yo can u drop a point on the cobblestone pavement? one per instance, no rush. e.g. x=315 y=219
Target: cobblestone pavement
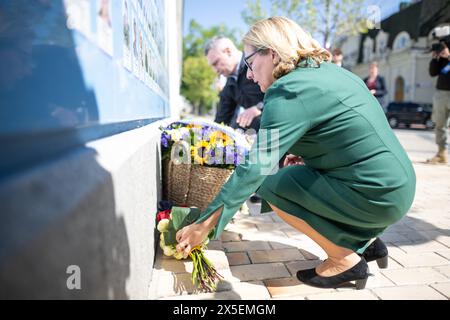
x=258 y=255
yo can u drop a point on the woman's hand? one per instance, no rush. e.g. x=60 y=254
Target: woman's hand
x=191 y=236
x=292 y=160
x=194 y=234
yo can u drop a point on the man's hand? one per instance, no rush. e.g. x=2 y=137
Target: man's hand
x=373 y=91
x=245 y=118
x=292 y=160
x=444 y=53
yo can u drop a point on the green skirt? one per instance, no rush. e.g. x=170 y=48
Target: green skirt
x=334 y=208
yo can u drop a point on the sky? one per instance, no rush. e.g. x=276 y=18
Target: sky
x=213 y=12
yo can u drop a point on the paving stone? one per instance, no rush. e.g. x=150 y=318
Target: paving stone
x=238 y=258
x=442 y=288
x=291 y=286
x=287 y=243
x=344 y=295
x=409 y=293
x=444 y=239
x=392 y=264
x=426 y=259
x=218 y=258
x=280 y=255
x=215 y=245
x=295 y=266
x=241 y=228
x=252 y=290
x=445 y=270
x=180 y=284
x=257 y=220
x=272 y=226
x=398 y=228
x=245 y=246
x=419 y=247
x=172 y=265
x=445 y=254
x=376 y=280
x=414 y=276
x=230 y=236
x=259 y=271
x=394 y=238
x=263 y=235
x=276 y=218
x=308 y=255
x=415 y=236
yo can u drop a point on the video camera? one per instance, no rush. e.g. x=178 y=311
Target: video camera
x=442 y=34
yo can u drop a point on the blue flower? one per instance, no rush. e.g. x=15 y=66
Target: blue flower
x=165 y=140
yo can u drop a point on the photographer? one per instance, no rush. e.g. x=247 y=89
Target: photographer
x=440 y=67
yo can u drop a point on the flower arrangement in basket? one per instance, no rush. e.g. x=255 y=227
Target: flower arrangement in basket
x=170 y=219
x=198 y=157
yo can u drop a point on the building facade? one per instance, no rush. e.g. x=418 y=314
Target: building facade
x=401 y=48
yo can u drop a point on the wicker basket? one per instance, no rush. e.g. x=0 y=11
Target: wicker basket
x=192 y=185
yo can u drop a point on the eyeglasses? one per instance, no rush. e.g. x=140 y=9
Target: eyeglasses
x=249 y=56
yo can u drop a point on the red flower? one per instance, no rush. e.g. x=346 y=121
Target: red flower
x=163 y=215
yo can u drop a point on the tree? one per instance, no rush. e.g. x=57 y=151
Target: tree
x=194 y=42
x=324 y=19
x=198 y=77
x=197 y=81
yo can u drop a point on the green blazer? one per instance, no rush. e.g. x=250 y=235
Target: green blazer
x=357 y=178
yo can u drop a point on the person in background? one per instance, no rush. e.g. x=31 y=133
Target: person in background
x=440 y=67
x=376 y=84
x=338 y=57
x=241 y=100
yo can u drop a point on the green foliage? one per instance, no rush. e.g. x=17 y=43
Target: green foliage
x=198 y=77
x=324 y=19
x=194 y=42
x=197 y=81
x=253 y=12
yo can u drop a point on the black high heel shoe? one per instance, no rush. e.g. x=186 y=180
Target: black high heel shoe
x=377 y=251
x=359 y=272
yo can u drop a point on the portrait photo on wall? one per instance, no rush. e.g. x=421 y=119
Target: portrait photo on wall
x=104 y=26
x=78 y=14
x=126 y=51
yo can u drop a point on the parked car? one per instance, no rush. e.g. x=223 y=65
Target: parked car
x=409 y=113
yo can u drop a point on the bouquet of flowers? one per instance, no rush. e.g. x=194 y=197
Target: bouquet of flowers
x=170 y=219
x=205 y=143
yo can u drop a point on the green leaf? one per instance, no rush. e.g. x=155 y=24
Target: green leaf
x=170 y=238
x=170 y=235
x=178 y=215
x=193 y=215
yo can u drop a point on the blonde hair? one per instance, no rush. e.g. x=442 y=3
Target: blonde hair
x=288 y=40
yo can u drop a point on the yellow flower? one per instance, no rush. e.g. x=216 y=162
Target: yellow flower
x=215 y=136
x=227 y=141
x=190 y=126
x=198 y=152
x=220 y=138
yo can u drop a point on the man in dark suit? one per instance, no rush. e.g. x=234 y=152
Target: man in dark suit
x=241 y=100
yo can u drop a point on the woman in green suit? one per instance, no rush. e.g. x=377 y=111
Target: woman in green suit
x=355 y=178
